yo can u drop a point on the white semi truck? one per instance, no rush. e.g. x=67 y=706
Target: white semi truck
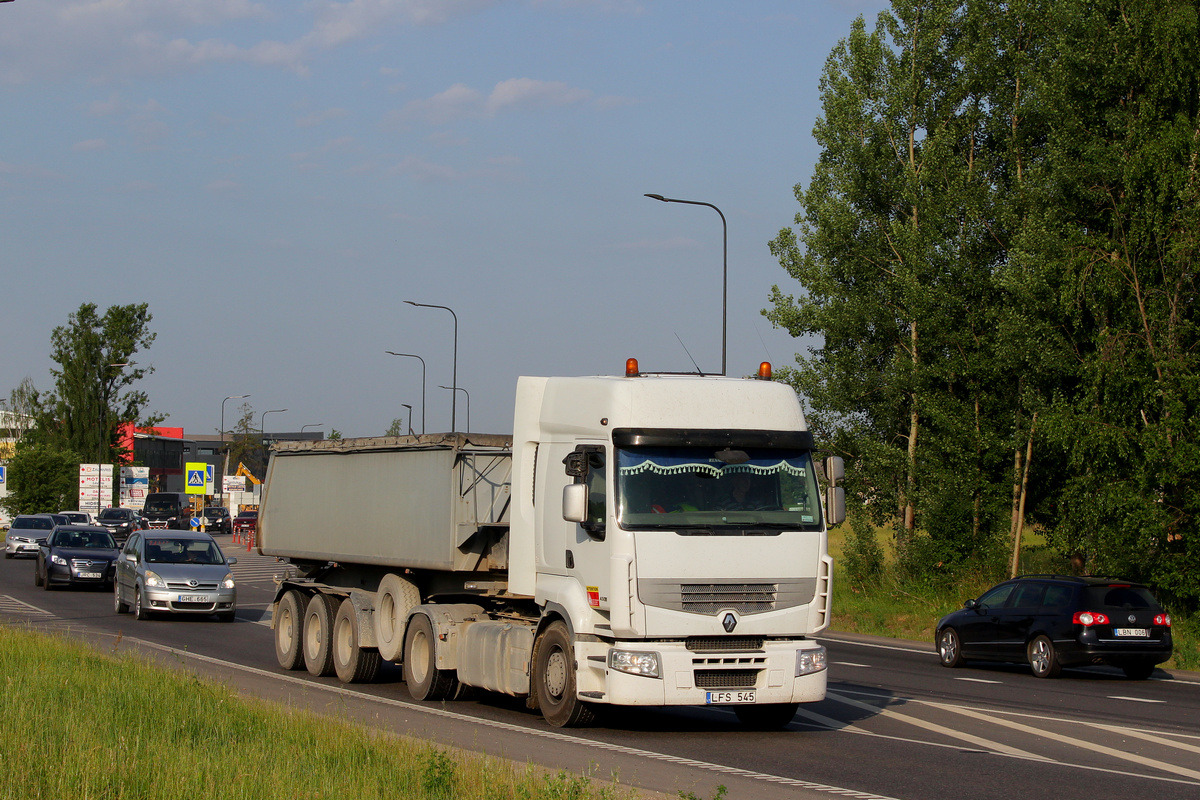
x=648 y=540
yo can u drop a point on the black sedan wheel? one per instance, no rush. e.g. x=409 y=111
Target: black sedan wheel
x=1043 y=658
x=949 y=647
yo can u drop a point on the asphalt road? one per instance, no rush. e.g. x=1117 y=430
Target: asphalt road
x=895 y=723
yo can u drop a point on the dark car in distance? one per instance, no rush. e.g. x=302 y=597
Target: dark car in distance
x=120 y=522
x=76 y=555
x=1056 y=621
x=215 y=519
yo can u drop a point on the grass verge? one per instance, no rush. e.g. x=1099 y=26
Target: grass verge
x=83 y=724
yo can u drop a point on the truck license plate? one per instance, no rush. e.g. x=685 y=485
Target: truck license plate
x=195 y=598
x=95 y=576
x=729 y=698
x=1142 y=632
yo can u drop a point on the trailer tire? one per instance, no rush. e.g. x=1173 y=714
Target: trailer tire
x=425 y=681
x=393 y=600
x=289 y=623
x=554 y=679
x=352 y=663
x=318 y=635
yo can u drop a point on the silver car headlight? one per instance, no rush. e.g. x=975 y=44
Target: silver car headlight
x=635 y=662
x=57 y=559
x=228 y=582
x=810 y=661
x=153 y=581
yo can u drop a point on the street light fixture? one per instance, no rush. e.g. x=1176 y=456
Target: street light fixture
x=410 y=430
x=724 y=264
x=225 y=466
x=262 y=431
x=468 y=394
x=311 y=425
x=454 y=372
x=418 y=358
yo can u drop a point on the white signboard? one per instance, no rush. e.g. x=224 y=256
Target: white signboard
x=95 y=487
x=135 y=485
x=234 y=483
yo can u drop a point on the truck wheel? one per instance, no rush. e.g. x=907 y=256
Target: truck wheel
x=393 y=600
x=554 y=679
x=318 y=635
x=288 y=624
x=352 y=663
x=767 y=717
x=425 y=681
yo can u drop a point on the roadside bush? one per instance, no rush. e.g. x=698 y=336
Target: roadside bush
x=862 y=559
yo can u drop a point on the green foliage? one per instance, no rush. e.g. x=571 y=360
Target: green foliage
x=1003 y=228
x=862 y=562
x=720 y=794
x=41 y=479
x=438 y=778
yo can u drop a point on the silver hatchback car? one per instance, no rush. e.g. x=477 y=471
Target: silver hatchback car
x=178 y=572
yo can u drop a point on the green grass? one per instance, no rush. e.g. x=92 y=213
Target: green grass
x=910 y=610
x=83 y=724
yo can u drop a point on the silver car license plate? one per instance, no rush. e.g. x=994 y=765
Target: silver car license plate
x=95 y=576
x=195 y=598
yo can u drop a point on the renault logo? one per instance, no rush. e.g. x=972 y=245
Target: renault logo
x=729 y=623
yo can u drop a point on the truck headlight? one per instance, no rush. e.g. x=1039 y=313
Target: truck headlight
x=635 y=662
x=810 y=661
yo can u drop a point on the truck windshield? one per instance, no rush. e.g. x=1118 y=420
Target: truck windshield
x=705 y=490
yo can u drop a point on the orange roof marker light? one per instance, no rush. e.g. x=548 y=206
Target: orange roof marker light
x=631 y=368
x=764 y=371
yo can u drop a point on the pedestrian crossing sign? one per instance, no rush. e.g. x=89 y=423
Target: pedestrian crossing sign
x=196 y=472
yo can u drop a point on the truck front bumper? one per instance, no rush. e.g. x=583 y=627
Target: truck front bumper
x=779 y=672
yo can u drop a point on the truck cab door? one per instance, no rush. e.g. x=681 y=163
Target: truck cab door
x=576 y=548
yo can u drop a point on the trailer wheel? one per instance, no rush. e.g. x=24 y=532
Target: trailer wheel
x=393 y=600
x=554 y=679
x=318 y=634
x=289 y=622
x=425 y=681
x=352 y=663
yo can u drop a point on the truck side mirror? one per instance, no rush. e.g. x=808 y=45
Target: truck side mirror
x=575 y=496
x=835 y=505
x=835 y=469
x=576 y=464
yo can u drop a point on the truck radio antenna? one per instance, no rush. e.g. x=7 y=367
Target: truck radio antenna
x=689 y=355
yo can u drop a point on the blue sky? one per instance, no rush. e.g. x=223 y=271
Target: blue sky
x=276 y=178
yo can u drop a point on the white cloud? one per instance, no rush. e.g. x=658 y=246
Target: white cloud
x=528 y=93
x=462 y=102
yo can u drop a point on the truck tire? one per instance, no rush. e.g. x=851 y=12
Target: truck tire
x=393 y=600
x=289 y=622
x=425 y=681
x=554 y=679
x=318 y=634
x=352 y=663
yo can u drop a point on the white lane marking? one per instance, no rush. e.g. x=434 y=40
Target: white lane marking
x=916 y=648
x=851 y=664
x=976 y=680
x=987 y=744
x=545 y=734
x=1145 y=736
x=10 y=603
x=1134 y=699
x=1082 y=744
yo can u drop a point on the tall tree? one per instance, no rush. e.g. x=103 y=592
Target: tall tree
x=96 y=368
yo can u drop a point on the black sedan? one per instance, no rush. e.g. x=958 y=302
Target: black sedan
x=76 y=555
x=120 y=522
x=1056 y=621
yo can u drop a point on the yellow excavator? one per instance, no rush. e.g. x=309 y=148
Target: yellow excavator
x=244 y=472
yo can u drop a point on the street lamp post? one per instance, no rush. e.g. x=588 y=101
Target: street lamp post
x=468 y=394
x=454 y=368
x=225 y=466
x=311 y=425
x=724 y=264
x=103 y=433
x=410 y=430
x=418 y=358
x=262 y=431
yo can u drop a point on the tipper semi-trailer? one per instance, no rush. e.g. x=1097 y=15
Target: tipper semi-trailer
x=652 y=539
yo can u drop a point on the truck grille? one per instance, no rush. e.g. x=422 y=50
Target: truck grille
x=717 y=596
x=745 y=598
x=726 y=678
x=724 y=644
